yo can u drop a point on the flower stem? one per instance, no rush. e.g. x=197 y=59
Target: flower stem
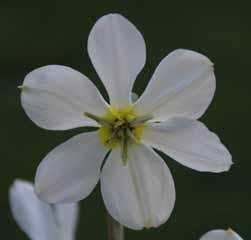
x=115 y=229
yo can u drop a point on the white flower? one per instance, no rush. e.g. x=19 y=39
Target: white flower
x=221 y=235
x=136 y=184
x=39 y=220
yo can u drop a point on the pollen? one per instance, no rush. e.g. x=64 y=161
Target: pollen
x=114 y=113
x=138 y=131
x=120 y=127
x=120 y=119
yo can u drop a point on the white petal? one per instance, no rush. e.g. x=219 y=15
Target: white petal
x=140 y=194
x=70 y=172
x=118 y=53
x=33 y=216
x=190 y=143
x=221 y=235
x=183 y=84
x=66 y=216
x=55 y=97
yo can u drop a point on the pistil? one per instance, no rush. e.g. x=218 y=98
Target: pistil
x=124 y=148
x=120 y=130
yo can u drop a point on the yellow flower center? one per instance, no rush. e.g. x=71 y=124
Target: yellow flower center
x=120 y=119
x=120 y=127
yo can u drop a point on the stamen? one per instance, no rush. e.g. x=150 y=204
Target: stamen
x=131 y=136
x=120 y=127
x=111 y=138
x=99 y=120
x=140 y=119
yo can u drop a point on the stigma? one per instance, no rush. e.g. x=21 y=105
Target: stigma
x=120 y=127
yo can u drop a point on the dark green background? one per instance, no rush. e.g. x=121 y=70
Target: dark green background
x=36 y=33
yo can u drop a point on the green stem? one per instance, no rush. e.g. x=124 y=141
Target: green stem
x=115 y=229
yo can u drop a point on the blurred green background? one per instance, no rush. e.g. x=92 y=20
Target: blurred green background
x=36 y=33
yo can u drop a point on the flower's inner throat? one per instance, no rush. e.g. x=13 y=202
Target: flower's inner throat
x=120 y=127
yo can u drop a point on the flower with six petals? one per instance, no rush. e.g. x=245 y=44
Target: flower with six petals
x=136 y=184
